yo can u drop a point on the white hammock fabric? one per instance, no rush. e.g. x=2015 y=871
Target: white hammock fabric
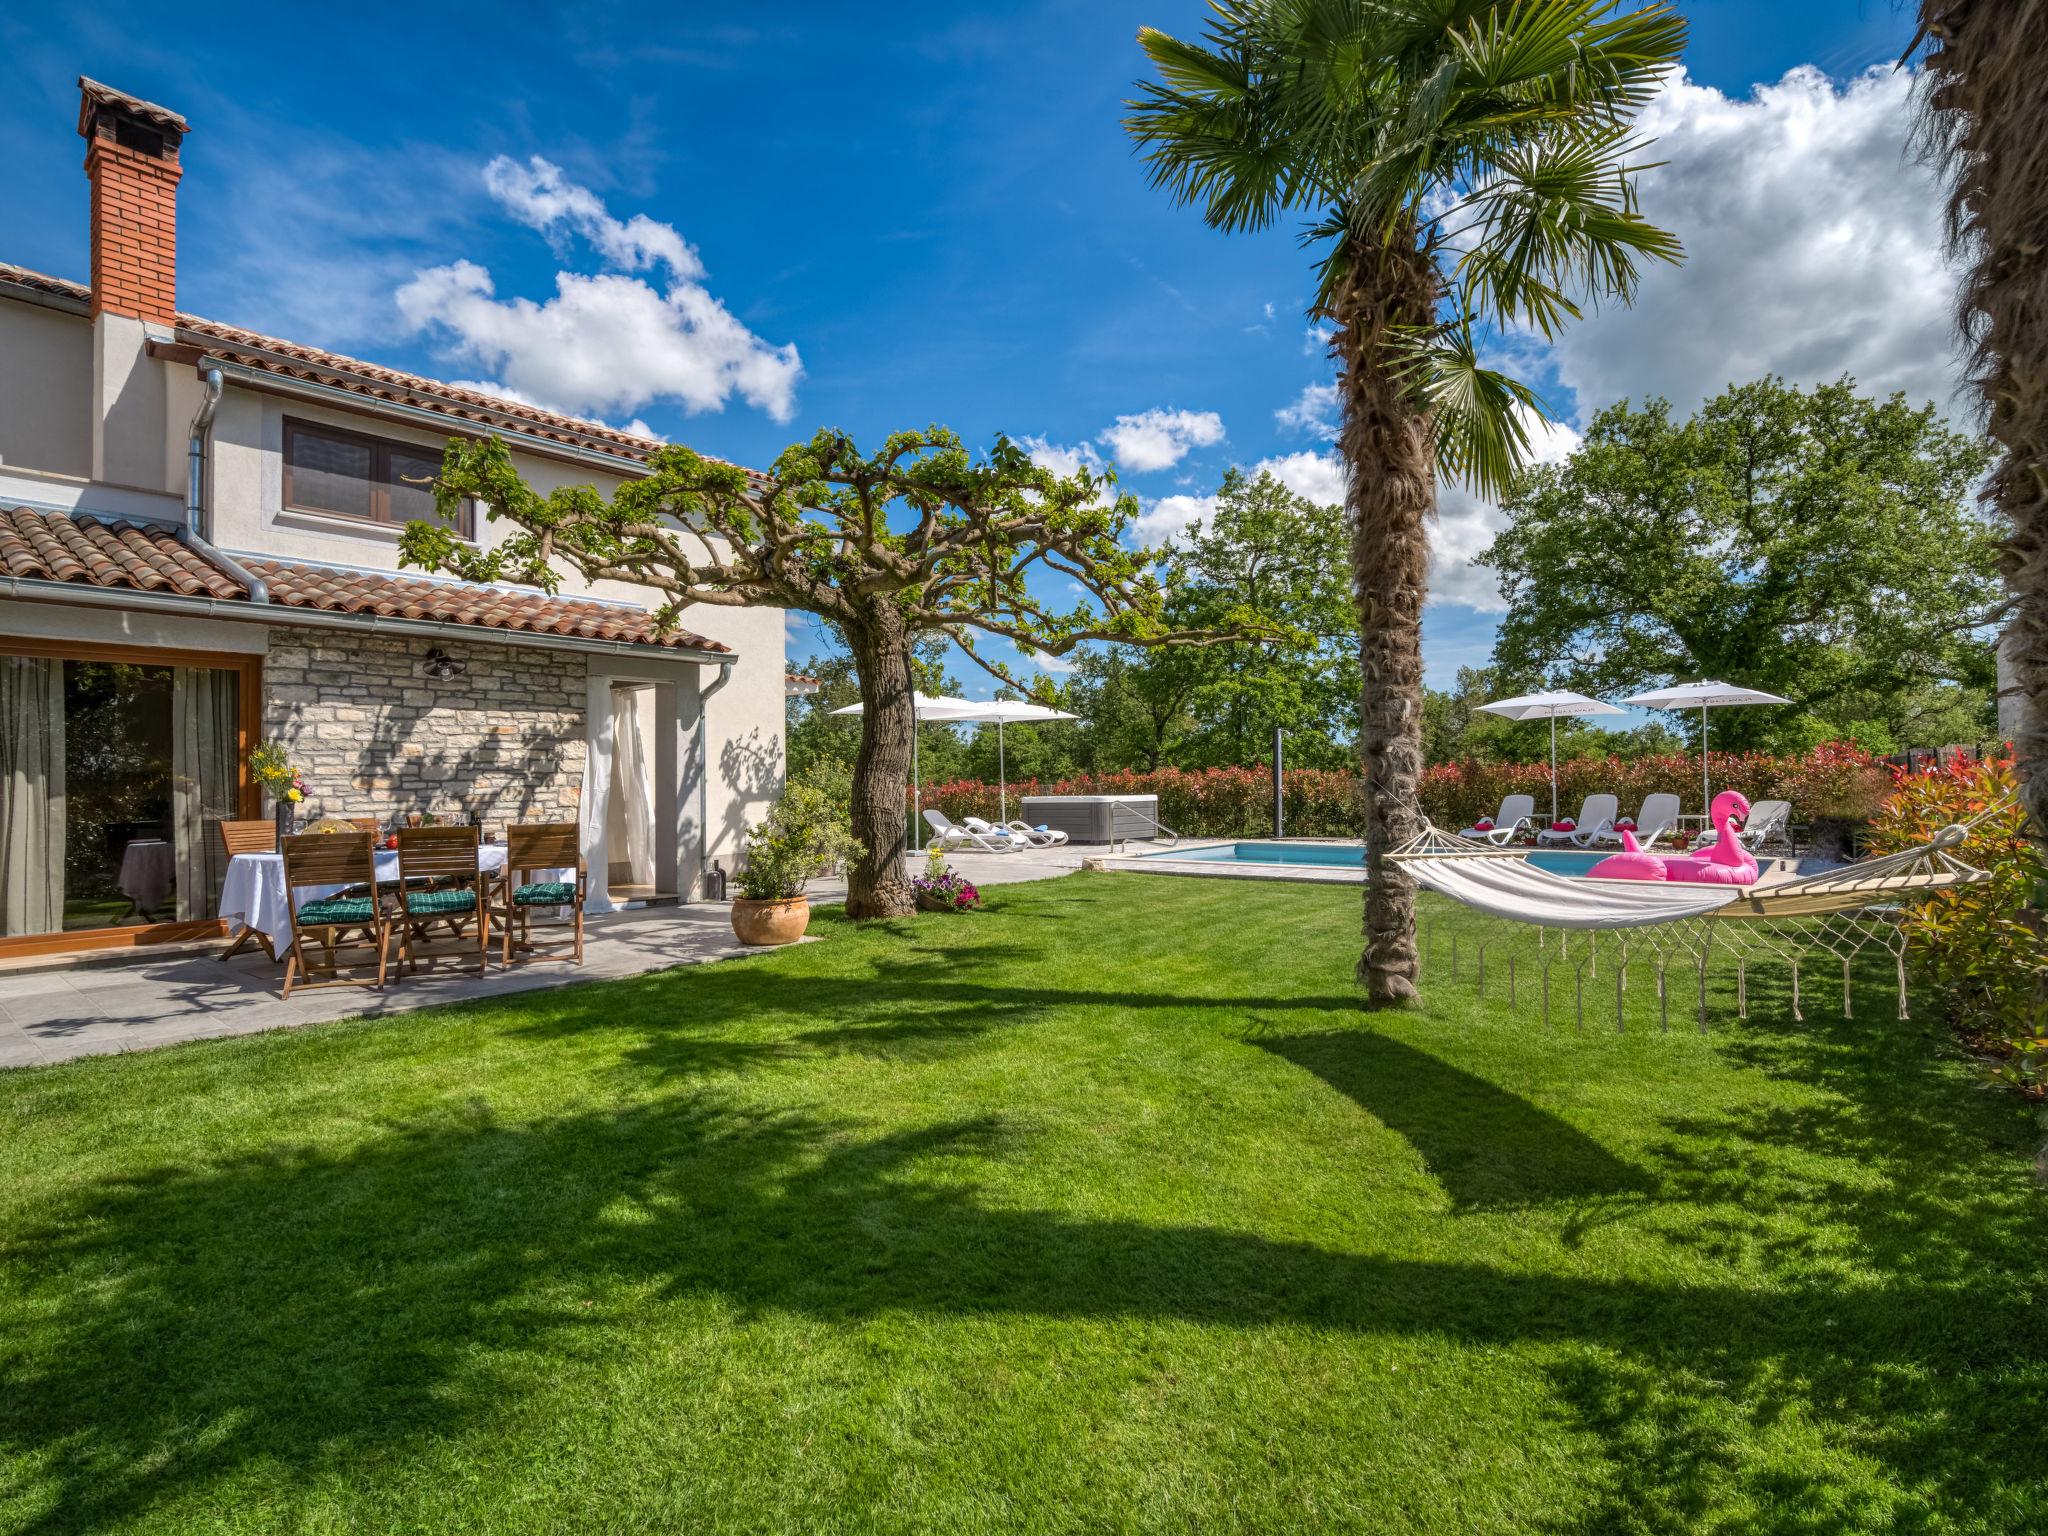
x=1519 y=891
x=1591 y=927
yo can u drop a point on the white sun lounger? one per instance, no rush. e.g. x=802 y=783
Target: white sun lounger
x=1658 y=816
x=1513 y=816
x=1769 y=821
x=952 y=835
x=1037 y=837
x=1596 y=816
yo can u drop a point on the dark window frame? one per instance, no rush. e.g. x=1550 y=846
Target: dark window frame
x=380 y=481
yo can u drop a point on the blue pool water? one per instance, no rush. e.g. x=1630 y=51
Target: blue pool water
x=1341 y=856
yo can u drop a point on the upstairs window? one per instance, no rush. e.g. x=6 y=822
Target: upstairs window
x=339 y=473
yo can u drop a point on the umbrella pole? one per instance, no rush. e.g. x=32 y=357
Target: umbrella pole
x=916 y=793
x=1706 y=800
x=1553 y=768
x=1002 y=780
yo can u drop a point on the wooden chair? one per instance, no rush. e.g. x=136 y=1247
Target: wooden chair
x=440 y=884
x=249 y=837
x=532 y=849
x=329 y=860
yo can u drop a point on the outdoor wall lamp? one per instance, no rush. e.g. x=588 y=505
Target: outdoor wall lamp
x=443 y=666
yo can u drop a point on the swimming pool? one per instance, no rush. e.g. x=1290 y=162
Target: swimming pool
x=1340 y=856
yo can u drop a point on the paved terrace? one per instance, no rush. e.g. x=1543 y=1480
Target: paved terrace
x=51 y=1011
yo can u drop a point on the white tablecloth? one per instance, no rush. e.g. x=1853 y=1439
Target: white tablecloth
x=253 y=896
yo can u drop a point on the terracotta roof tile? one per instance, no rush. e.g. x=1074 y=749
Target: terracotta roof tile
x=447 y=602
x=150 y=557
x=96 y=552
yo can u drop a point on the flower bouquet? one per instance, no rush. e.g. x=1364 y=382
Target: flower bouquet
x=285 y=785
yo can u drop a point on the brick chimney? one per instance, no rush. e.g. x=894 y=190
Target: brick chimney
x=131 y=159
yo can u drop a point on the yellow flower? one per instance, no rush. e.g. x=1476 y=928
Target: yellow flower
x=293 y=795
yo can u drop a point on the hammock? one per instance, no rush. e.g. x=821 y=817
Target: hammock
x=1839 y=912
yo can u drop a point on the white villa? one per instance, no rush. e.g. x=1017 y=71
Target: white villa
x=198 y=552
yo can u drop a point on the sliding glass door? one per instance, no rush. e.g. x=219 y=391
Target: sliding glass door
x=116 y=770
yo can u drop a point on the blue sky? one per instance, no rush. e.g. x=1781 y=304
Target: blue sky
x=936 y=218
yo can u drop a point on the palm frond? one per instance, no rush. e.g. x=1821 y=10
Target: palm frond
x=1477 y=415
x=1558 y=213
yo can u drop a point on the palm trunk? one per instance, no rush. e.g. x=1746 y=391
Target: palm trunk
x=1985 y=117
x=876 y=883
x=1391 y=497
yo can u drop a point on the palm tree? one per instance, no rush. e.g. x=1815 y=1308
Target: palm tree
x=1462 y=165
x=1984 y=120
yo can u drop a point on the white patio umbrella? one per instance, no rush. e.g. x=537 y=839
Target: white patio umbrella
x=930 y=711
x=1557 y=704
x=1703 y=696
x=1006 y=712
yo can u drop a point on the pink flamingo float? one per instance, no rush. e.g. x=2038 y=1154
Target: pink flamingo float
x=1726 y=863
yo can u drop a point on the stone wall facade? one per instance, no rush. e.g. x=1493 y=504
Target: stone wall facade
x=374 y=735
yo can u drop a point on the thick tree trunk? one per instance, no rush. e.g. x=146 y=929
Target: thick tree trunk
x=1986 y=113
x=1391 y=498
x=876 y=882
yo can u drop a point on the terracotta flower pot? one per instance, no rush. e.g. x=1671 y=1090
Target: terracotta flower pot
x=771 y=922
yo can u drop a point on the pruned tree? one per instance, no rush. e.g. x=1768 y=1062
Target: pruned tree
x=920 y=537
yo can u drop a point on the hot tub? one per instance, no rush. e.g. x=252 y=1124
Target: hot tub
x=1095 y=818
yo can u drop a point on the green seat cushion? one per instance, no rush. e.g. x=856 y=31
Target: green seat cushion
x=546 y=893
x=338 y=909
x=439 y=903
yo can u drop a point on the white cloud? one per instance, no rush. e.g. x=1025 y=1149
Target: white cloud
x=605 y=344
x=538 y=196
x=1318 y=476
x=1060 y=458
x=1313 y=410
x=1813 y=247
x=1465 y=524
x=1057 y=665
x=1168 y=519
x=1159 y=439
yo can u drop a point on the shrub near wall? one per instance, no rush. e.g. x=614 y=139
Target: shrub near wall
x=1831 y=783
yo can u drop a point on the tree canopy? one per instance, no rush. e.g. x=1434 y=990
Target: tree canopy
x=1818 y=544
x=919 y=538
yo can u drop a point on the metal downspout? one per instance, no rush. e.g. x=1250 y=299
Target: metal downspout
x=195 y=493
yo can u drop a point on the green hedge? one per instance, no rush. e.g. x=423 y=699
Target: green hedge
x=1832 y=782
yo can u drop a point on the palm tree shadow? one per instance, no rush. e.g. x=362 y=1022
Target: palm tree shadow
x=1487 y=1147
x=309 y=1311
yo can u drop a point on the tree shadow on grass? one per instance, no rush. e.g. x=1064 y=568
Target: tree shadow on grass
x=306 y=1312
x=1487 y=1147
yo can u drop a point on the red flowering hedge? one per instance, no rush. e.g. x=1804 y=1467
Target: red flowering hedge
x=1836 y=781
x=1975 y=943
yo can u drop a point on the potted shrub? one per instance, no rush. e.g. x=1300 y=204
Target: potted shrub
x=803 y=836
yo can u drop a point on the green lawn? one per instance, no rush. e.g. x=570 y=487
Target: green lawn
x=1106 y=1209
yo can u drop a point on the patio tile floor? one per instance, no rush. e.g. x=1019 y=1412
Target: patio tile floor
x=55 y=1015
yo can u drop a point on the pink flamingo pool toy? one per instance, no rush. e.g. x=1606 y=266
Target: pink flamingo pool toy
x=1726 y=863
x=1629 y=864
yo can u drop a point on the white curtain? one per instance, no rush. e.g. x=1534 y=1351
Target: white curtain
x=203 y=782
x=31 y=795
x=633 y=782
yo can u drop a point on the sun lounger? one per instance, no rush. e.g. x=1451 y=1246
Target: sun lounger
x=1769 y=822
x=1037 y=837
x=951 y=835
x=1513 y=817
x=1596 y=816
x=1656 y=819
